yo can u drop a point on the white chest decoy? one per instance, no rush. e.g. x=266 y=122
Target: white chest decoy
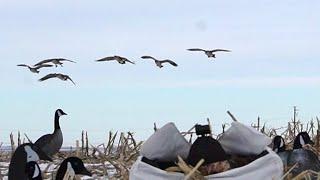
x=70 y=167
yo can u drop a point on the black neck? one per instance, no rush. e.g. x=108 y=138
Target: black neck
x=62 y=171
x=56 y=122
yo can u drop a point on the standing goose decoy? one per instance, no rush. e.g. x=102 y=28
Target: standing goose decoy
x=71 y=167
x=209 y=53
x=33 y=171
x=306 y=159
x=62 y=77
x=55 y=61
x=51 y=143
x=36 y=68
x=160 y=62
x=279 y=147
x=24 y=154
x=119 y=59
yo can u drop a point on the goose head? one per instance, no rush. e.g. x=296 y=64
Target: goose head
x=60 y=113
x=74 y=165
x=278 y=144
x=302 y=139
x=33 y=171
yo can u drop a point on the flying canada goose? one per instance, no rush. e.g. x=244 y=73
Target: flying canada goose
x=71 y=167
x=306 y=159
x=160 y=62
x=51 y=143
x=36 y=68
x=209 y=53
x=55 y=61
x=33 y=171
x=121 y=60
x=22 y=155
x=62 y=77
x=67 y=170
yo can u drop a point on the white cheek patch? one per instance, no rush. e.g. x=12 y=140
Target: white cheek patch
x=302 y=141
x=36 y=172
x=70 y=174
x=281 y=143
x=59 y=113
x=31 y=154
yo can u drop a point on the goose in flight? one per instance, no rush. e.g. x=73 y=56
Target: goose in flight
x=160 y=62
x=62 y=77
x=121 y=60
x=55 y=61
x=209 y=53
x=36 y=68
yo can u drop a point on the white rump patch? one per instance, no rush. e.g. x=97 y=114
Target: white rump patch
x=31 y=154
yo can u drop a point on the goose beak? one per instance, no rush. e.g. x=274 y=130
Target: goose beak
x=86 y=172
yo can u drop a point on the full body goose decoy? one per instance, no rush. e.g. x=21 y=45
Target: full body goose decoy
x=55 y=61
x=279 y=147
x=209 y=53
x=24 y=154
x=60 y=76
x=35 y=69
x=51 y=143
x=306 y=159
x=67 y=170
x=119 y=59
x=33 y=171
x=70 y=167
x=160 y=62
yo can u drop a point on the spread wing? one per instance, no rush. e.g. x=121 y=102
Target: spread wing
x=48 y=77
x=43 y=65
x=195 y=49
x=66 y=60
x=109 y=58
x=148 y=57
x=169 y=61
x=43 y=62
x=222 y=50
x=127 y=60
x=70 y=79
x=23 y=65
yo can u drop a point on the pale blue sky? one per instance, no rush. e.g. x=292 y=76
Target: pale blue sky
x=274 y=64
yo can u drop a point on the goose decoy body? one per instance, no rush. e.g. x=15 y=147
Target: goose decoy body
x=51 y=143
x=62 y=77
x=35 y=69
x=55 y=61
x=279 y=147
x=33 y=171
x=209 y=53
x=306 y=159
x=160 y=62
x=24 y=154
x=119 y=59
x=70 y=167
